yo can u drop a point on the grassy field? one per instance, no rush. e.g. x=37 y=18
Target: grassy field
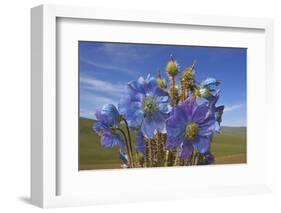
x=228 y=148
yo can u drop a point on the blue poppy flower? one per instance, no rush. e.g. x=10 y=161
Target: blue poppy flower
x=190 y=126
x=106 y=124
x=146 y=106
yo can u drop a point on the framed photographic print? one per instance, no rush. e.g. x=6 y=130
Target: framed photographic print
x=150 y=106
x=141 y=123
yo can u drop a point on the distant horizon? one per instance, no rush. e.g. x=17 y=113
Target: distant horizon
x=105 y=68
x=221 y=126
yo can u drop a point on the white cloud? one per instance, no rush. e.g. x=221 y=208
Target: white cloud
x=96 y=93
x=102 y=86
x=233 y=107
x=99 y=100
x=87 y=114
x=107 y=66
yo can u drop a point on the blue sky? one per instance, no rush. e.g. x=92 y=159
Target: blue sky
x=105 y=68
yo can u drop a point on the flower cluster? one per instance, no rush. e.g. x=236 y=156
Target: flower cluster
x=160 y=125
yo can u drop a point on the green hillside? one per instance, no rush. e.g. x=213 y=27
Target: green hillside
x=228 y=147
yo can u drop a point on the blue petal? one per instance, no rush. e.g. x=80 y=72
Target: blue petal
x=217 y=127
x=150 y=84
x=210 y=158
x=112 y=114
x=207 y=128
x=110 y=140
x=131 y=110
x=173 y=143
x=213 y=99
x=162 y=99
x=202 y=144
x=189 y=106
x=153 y=123
x=177 y=122
x=102 y=117
x=135 y=119
x=118 y=140
x=165 y=108
x=175 y=131
x=179 y=115
x=99 y=127
x=160 y=92
x=135 y=87
x=201 y=113
x=148 y=127
x=186 y=150
x=107 y=139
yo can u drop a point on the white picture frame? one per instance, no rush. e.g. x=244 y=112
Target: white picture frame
x=45 y=168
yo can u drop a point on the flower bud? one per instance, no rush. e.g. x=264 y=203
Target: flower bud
x=112 y=113
x=189 y=73
x=172 y=67
x=160 y=81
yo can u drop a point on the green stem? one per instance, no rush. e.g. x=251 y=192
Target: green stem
x=127 y=146
x=129 y=136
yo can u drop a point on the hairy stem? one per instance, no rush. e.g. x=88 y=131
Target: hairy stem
x=148 y=153
x=160 y=149
x=173 y=88
x=167 y=153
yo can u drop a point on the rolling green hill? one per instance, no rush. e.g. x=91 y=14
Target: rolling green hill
x=228 y=148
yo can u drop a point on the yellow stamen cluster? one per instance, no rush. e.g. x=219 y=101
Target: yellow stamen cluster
x=191 y=131
x=150 y=105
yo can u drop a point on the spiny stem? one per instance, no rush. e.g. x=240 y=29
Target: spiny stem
x=159 y=149
x=148 y=153
x=176 y=158
x=184 y=89
x=167 y=153
x=153 y=152
x=173 y=89
x=194 y=157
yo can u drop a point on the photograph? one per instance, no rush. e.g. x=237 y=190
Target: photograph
x=161 y=105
